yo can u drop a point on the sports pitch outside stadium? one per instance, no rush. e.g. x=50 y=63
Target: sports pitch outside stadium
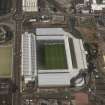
x=52 y=56
x=5 y=61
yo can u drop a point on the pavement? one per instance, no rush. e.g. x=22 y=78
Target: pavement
x=82 y=99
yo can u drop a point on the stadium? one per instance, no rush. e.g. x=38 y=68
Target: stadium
x=53 y=56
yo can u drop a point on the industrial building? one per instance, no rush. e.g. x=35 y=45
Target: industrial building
x=97 y=6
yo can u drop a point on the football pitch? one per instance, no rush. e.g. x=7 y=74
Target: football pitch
x=5 y=61
x=52 y=56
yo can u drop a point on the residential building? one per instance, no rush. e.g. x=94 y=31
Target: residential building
x=30 y=6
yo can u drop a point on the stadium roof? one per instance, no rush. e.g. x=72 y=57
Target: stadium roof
x=49 y=31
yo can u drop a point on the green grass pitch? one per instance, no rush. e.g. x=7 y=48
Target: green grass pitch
x=5 y=61
x=54 y=57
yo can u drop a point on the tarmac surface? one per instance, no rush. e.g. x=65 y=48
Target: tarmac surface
x=82 y=99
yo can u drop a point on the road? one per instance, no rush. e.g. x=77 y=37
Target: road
x=18 y=17
x=17 y=63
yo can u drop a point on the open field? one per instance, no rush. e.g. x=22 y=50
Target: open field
x=87 y=28
x=52 y=56
x=5 y=61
